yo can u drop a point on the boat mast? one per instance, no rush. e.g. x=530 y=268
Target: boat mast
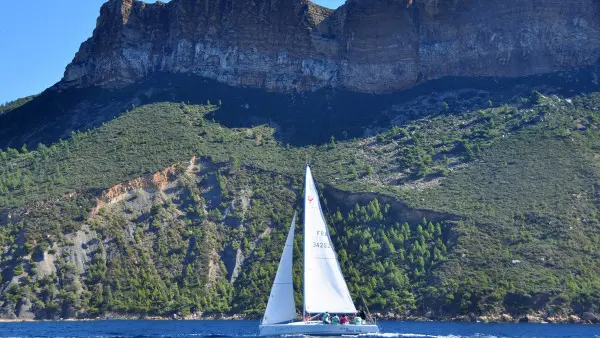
x=304 y=248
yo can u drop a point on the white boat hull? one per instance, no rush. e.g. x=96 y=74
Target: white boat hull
x=315 y=328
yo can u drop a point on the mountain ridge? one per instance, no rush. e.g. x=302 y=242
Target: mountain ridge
x=365 y=45
x=463 y=213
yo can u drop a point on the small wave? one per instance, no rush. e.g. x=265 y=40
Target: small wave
x=427 y=335
x=415 y=335
x=423 y=335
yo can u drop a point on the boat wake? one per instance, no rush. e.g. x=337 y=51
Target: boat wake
x=421 y=335
x=399 y=335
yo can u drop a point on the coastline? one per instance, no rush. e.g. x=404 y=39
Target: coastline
x=590 y=319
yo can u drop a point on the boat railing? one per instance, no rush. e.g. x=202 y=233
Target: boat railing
x=363 y=322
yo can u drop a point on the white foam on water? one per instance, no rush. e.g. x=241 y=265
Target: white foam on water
x=416 y=335
x=427 y=335
x=422 y=335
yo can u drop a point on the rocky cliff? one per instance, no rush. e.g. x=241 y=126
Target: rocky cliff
x=365 y=45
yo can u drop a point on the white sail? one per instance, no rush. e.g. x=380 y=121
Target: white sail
x=281 y=306
x=324 y=286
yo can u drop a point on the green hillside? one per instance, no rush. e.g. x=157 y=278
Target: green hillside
x=449 y=208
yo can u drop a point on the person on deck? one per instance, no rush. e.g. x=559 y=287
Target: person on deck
x=326 y=318
x=344 y=320
x=357 y=320
x=335 y=320
x=307 y=318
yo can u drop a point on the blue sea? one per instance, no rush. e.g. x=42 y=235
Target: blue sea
x=225 y=329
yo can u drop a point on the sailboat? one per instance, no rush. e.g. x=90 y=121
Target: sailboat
x=325 y=288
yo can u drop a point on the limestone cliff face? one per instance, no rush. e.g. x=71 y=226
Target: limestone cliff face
x=365 y=45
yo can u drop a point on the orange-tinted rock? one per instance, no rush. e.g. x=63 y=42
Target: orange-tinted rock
x=158 y=181
x=574 y=319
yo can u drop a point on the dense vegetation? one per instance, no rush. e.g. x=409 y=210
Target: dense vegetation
x=502 y=212
x=387 y=262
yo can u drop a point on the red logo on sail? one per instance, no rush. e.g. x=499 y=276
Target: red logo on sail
x=310 y=199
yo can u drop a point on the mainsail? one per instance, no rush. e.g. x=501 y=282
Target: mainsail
x=324 y=286
x=281 y=306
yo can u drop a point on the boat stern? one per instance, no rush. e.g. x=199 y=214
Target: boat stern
x=316 y=329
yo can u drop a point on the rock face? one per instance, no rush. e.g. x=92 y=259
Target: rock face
x=365 y=45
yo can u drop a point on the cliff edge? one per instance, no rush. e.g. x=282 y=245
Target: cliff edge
x=365 y=45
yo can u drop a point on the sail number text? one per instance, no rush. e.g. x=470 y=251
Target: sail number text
x=321 y=245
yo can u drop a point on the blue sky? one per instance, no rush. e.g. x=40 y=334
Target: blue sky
x=39 y=38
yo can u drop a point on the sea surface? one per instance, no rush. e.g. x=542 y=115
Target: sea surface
x=243 y=329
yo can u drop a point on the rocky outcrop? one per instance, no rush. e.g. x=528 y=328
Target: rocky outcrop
x=590 y=317
x=506 y=318
x=155 y=181
x=25 y=310
x=85 y=243
x=345 y=201
x=574 y=319
x=365 y=45
x=46 y=266
x=233 y=260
